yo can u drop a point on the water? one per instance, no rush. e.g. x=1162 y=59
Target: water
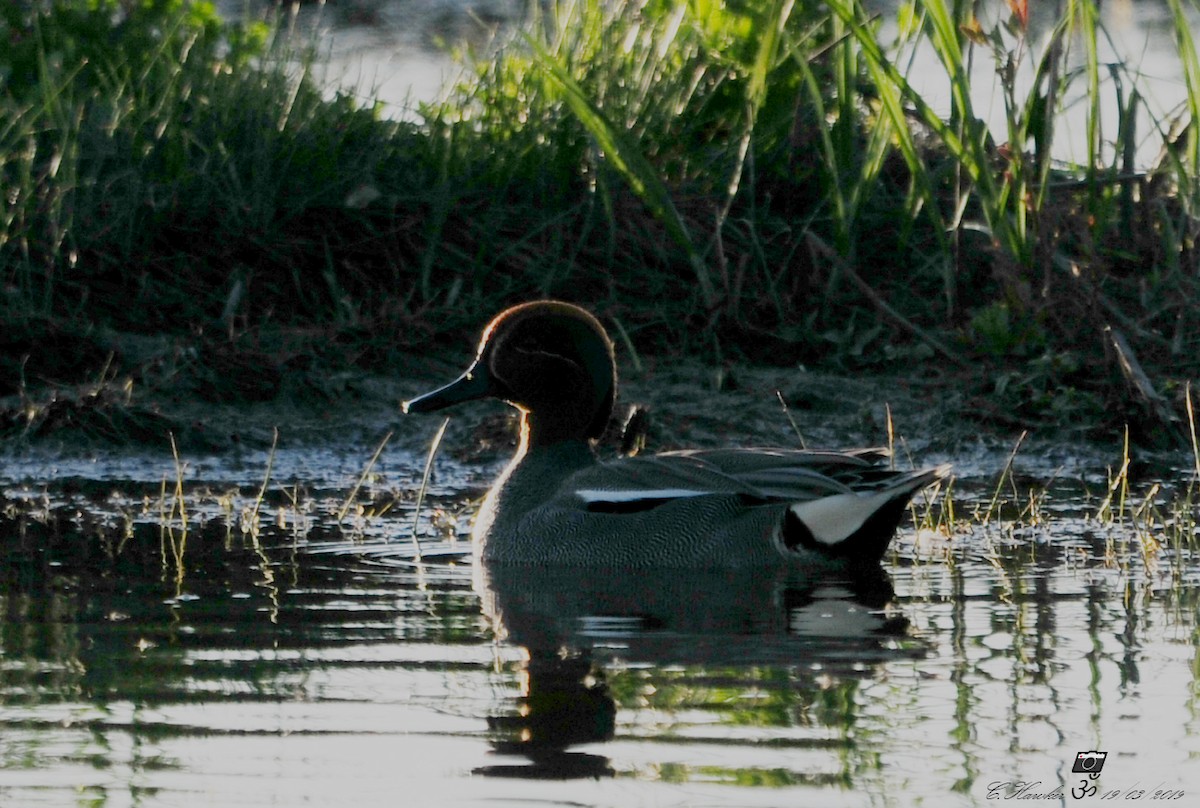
x=305 y=662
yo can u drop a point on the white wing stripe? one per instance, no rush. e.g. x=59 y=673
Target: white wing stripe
x=590 y=495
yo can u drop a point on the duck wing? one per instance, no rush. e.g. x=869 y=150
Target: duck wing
x=844 y=504
x=797 y=475
x=764 y=475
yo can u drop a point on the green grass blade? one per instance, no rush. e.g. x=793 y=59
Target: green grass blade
x=767 y=55
x=972 y=149
x=1190 y=60
x=888 y=74
x=627 y=159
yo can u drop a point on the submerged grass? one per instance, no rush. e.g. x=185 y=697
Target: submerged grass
x=740 y=182
x=1144 y=533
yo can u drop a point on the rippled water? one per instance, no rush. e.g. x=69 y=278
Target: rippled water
x=304 y=662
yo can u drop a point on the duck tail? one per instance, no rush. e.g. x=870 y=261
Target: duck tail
x=858 y=525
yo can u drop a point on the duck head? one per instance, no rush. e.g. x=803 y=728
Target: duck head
x=551 y=360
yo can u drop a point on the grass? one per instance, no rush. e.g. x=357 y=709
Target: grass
x=1142 y=526
x=187 y=206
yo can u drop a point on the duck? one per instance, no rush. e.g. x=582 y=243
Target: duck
x=556 y=504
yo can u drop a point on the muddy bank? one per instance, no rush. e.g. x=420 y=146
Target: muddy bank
x=932 y=417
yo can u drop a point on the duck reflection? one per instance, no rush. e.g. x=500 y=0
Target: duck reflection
x=572 y=621
x=564 y=702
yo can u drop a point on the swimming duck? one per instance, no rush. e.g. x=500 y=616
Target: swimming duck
x=557 y=504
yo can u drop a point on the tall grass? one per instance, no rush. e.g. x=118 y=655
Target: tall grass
x=760 y=181
x=740 y=132
x=1185 y=156
x=164 y=157
x=1009 y=187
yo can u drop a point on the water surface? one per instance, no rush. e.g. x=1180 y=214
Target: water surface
x=271 y=655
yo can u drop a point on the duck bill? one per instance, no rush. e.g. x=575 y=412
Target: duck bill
x=472 y=385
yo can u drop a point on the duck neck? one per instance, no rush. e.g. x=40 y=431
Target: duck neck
x=541 y=432
x=530 y=479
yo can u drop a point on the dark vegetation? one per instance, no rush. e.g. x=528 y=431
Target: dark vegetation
x=185 y=213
